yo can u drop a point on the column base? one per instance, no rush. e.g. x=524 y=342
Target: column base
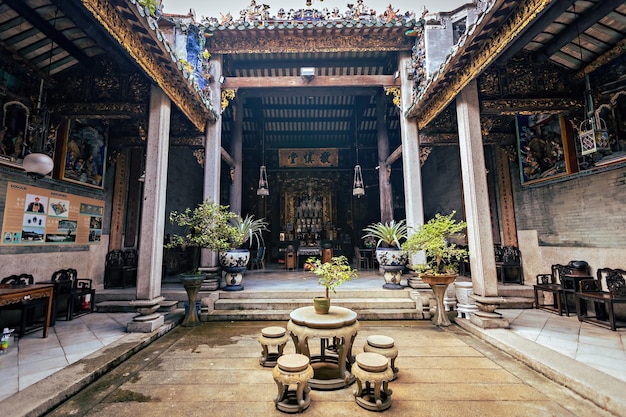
x=145 y=324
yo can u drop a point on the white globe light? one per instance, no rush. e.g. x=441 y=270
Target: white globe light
x=38 y=163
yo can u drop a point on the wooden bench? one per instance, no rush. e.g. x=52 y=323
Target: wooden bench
x=608 y=290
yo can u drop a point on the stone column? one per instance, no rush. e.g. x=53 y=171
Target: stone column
x=153 y=216
x=411 y=167
x=212 y=155
x=384 y=170
x=477 y=211
x=237 y=154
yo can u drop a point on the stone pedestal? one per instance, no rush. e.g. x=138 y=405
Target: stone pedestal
x=372 y=373
x=272 y=337
x=192 y=285
x=464 y=304
x=383 y=345
x=439 y=285
x=291 y=374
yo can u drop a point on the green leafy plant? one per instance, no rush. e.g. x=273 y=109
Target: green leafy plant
x=152 y=5
x=333 y=273
x=390 y=234
x=207 y=226
x=252 y=229
x=432 y=237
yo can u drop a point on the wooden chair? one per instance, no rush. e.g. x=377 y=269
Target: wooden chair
x=258 y=261
x=550 y=283
x=29 y=319
x=83 y=297
x=63 y=281
x=509 y=265
x=361 y=261
x=604 y=292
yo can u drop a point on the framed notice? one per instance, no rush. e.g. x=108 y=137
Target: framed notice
x=36 y=216
x=85 y=152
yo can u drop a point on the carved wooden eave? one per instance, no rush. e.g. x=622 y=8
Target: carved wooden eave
x=310 y=36
x=102 y=110
x=530 y=106
x=452 y=139
x=484 y=42
x=138 y=34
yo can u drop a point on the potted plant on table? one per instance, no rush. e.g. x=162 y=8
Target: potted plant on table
x=331 y=275
x=234 y=260
x=391 y=258
x=442 y=256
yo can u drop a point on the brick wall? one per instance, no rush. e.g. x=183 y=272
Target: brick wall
x=585 y=211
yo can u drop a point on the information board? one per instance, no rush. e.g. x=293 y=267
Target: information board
x=37 y=216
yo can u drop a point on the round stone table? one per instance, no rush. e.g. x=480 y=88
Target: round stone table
x=332 y=366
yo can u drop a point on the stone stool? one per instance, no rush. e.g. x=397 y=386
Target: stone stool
x=372 y=373
x=383 y=345
x=272 y=336
x=291 y=370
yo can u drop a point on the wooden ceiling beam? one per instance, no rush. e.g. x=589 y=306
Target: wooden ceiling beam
x=316 y=81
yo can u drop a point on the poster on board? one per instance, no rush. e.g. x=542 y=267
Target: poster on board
x=37 y=216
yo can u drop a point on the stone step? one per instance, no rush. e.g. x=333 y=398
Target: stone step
x=293 y=303
x=125 y=306
x=361 y=294
x=283 y=315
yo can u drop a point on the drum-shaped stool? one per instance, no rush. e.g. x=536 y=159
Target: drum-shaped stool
x=291 y=374
x=270 y=337
x=372 y=373
x=383 y=345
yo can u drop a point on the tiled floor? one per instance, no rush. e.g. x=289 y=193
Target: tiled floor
x=32 y=358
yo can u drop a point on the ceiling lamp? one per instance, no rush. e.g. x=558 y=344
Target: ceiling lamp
x=37 y=165
x=358 y=188
x=264 y=188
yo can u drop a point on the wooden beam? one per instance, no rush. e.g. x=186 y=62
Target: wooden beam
x=227 y=158
x=397 y=153
x=316 y=81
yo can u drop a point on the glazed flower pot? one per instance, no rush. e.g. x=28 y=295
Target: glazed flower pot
x=234 y=262
x=392 y=261
x=321 y=305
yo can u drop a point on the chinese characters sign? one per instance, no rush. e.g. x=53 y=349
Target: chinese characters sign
x=36 y=216
x=308 y=157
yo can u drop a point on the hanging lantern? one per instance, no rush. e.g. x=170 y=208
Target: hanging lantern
x=358 y=189
x=263 y=189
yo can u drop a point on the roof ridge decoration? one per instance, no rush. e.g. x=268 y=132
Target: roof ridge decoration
x=259 y=16
x=154 y=55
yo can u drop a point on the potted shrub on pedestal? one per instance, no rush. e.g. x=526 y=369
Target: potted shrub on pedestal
x=391 y=258
x=235 y=259
x=442 y=257
x=207 y=226
x=331 y=275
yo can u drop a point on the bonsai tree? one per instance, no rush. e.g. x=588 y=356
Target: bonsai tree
x=333 y=273
x=207 y=226
x=389 y=234
x=442 y=256
x=252 y=229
